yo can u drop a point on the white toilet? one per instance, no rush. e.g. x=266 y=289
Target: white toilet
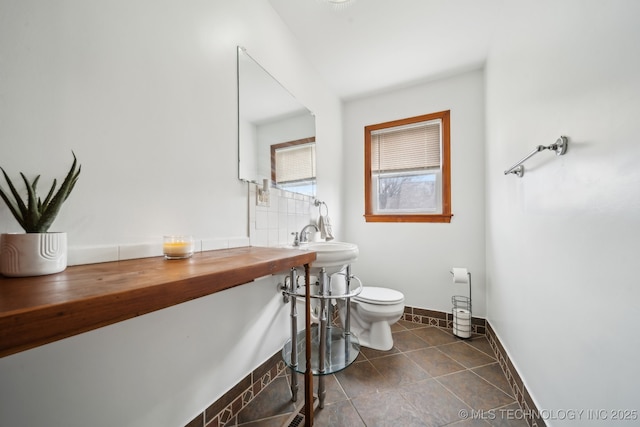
x=373 y=312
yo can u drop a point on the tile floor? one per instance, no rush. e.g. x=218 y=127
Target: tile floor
x=429 y=378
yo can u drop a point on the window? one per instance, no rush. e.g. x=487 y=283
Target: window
x=293 y=166
x=407 y=170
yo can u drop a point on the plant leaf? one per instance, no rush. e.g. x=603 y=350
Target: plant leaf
x=33 y=214
x=49 y=195
x=50 y=211
x=16 y=206
x=12 y=207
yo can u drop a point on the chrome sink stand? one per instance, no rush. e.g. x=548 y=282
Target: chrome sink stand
x=337 y=348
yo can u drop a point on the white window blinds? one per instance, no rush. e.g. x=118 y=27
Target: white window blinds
x=295 y=163
x=407 y=148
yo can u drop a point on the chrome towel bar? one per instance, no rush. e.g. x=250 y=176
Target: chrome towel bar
x=560 y=147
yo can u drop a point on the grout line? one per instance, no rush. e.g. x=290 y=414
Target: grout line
x=493 y=356
x=492 y=384
x=462 y=400
x=451 y=391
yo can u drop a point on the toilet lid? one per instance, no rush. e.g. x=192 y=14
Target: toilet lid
x=375 y=295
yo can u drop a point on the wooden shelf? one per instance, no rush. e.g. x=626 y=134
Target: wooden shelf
x=39 y=310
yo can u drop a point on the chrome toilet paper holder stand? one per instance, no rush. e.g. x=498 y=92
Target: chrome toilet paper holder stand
x=462 y=302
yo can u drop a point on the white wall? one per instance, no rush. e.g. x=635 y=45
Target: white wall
x=144 y=92
x=416 y=258
x=562 y=242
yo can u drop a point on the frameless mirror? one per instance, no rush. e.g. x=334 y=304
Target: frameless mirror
x=276 y=134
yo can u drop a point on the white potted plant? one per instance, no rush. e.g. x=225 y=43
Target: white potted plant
x=37 y=251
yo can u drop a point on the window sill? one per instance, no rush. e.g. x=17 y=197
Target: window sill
x=445 y=218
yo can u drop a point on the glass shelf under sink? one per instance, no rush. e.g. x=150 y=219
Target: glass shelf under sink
x=342 y=350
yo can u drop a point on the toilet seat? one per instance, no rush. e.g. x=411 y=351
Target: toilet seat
x=379 y=296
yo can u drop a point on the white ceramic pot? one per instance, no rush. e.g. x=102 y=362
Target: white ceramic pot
x=32 y=254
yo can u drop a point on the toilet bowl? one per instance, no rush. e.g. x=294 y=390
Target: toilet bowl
x=373 y=312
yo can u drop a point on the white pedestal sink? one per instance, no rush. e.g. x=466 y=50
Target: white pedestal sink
x=332 y=256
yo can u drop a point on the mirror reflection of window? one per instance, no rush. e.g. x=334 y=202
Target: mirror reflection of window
x=268 y=114
x=293 y=166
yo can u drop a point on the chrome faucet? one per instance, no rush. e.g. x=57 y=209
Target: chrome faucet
x=304 y=234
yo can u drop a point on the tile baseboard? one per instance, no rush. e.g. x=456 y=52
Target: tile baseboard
x=529 y=409
x=441 y=319
x=224 y=411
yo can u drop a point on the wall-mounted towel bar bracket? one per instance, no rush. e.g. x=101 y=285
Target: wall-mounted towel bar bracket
x=319 y=204
x=560 y=147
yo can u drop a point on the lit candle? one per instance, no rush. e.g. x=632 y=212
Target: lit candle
x=177 y=247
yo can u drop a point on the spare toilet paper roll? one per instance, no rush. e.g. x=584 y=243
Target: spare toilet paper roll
x=461 y=323
x=460 y=275
x=461 y=317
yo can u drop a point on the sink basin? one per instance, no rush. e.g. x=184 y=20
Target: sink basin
x=332 y=256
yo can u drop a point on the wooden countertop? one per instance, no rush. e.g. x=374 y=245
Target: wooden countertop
x=39 y=310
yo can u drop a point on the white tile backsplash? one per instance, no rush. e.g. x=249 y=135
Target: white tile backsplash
x=286 y=214
x=79 y=255
x=91 y=254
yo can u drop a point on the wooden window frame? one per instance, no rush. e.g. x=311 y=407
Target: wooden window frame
x=445 y=216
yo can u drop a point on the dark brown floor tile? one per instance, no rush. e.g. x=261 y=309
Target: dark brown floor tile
x=273 y=400
x=466 y=355
x=435 y=404
x=276 y=421
x=482 y=344
x=370 y=353
x=493 y=373
x=361 y=356
x=398 y=369
x=471 y=423
x=434 y=362
x=387 y=409
x=341 y=414
x=475 y=391
x=407 y=340
x=408 y=325
x=434 y=335
x=359 y=378
x=397 y=327
x=334 y=392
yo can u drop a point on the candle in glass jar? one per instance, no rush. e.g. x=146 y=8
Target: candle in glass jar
x=177 y=247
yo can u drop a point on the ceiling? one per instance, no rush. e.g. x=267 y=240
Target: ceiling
x=374 y=45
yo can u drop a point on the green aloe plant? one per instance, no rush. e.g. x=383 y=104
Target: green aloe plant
x=33 y=214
